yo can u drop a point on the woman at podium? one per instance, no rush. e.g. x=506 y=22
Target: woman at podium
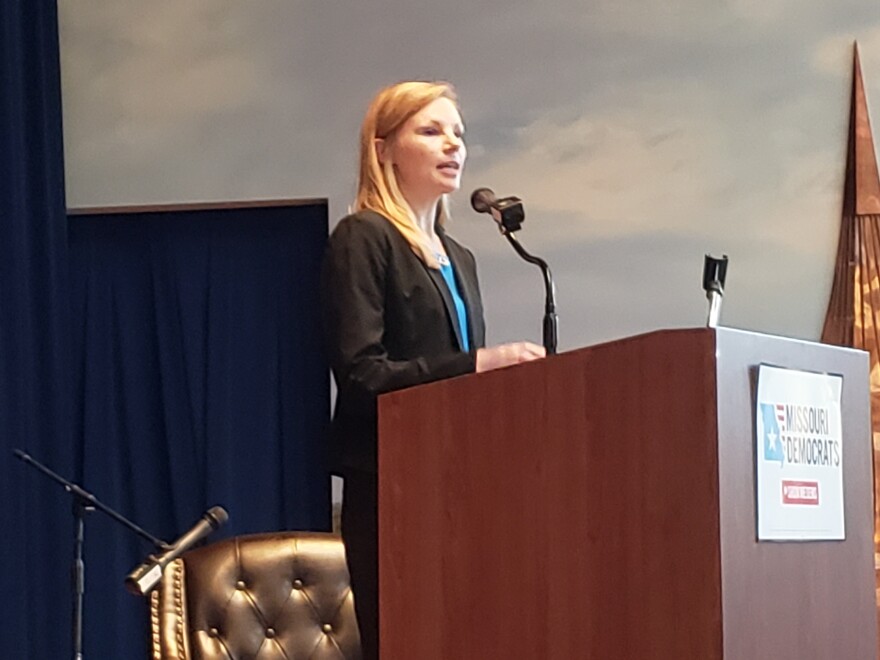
x=400 y=300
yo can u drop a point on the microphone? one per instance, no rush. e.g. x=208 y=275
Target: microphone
x=145 y=577
x=714 y=275
x=507 y=212
x=482 y=200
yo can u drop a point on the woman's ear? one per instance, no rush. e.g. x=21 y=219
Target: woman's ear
x=381 y=150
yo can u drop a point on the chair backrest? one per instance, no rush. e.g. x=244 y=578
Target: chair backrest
x=261 y=597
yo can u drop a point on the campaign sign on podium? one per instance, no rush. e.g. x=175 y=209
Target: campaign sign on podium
x=799 y=454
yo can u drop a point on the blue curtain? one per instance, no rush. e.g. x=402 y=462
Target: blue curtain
x=166 y=362
x=34 y=348
x=199 y=379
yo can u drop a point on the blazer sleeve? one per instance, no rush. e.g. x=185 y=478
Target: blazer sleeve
x=353 y=281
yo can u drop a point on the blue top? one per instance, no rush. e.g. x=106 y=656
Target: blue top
x=460 y=309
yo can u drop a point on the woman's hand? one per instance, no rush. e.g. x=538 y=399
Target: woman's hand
x=505 y=355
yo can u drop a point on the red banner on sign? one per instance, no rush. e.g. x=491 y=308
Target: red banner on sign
x=800 y=492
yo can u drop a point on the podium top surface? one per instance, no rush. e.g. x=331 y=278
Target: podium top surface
x=722 y=336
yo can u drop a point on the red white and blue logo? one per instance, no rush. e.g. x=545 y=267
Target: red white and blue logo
x=773 y=416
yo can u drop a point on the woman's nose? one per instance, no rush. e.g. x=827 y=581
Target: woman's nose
x=453 y=142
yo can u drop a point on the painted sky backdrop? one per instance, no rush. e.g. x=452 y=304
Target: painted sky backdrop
x=640 y=134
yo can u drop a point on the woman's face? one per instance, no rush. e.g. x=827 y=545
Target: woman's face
x=428 y=152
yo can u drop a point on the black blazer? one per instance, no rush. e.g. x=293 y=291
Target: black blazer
x=389 y=323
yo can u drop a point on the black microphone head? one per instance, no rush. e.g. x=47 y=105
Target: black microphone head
x=714 y=271
x=482 y=200
x=217 y=516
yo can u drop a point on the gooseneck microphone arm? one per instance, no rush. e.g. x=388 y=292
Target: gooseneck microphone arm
x=509 y=214
x=551 y=327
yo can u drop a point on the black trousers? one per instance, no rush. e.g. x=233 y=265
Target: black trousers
x=360 y=527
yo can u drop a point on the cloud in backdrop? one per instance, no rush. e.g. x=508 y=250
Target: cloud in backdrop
x=640 y=134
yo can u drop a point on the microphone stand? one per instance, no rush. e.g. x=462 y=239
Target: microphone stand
x=508 y=212
x=83 y=502
x=551 y=323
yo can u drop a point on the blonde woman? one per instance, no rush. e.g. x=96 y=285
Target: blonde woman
x=401 y=301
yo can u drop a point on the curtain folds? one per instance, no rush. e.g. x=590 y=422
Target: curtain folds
x=34 y=347
x=199 y=380
x=167 y=362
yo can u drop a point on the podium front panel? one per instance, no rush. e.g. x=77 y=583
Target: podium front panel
x=600 y=504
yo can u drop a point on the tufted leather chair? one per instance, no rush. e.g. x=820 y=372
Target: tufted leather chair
x=258 y=597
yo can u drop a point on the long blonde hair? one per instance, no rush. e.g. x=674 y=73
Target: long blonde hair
x=377 y=183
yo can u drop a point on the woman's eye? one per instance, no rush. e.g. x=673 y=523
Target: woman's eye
x=430 y=130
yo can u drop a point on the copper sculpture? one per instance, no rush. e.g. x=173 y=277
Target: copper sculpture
x=853 y=316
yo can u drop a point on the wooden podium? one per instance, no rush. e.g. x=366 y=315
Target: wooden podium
x=601 y=504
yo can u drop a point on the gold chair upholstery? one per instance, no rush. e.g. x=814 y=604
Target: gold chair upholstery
x=261 y=597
